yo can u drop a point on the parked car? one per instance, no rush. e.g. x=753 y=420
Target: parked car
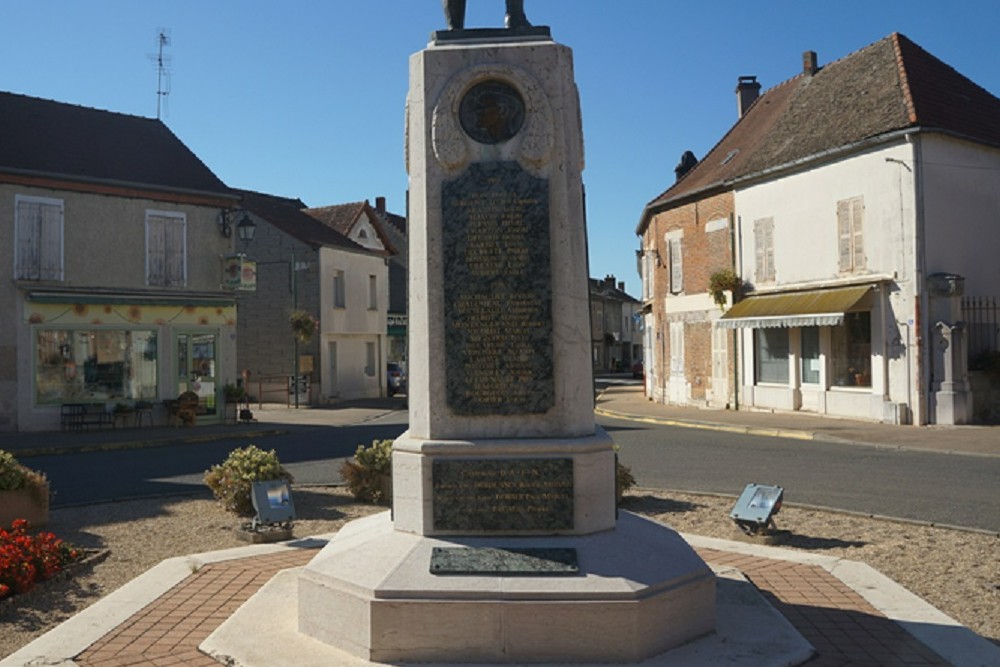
x=395 y=379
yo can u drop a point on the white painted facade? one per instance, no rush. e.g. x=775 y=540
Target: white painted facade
x=353 y=344
x=930 y=205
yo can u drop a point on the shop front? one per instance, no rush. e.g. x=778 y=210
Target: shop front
x=122 y=353
x=818 y=351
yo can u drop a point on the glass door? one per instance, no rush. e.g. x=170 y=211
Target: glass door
x=196 y=369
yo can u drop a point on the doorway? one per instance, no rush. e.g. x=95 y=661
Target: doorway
x=197 y=366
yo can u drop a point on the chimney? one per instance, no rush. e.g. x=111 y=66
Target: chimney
x=687 y=163
x=621 y=285
x=809 y=63
x=609 y=281
x=747 y=92
x=380 y=204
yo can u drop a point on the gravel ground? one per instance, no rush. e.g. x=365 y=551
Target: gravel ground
x=958 y=572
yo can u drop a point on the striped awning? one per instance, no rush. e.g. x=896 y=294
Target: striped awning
x=815 y=308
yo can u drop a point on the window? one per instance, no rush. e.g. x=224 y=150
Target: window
x=166 y=244
x=851 y=351
x=850 y=237
x=370 y=359
x=810 y=355
x=339 y=300
x=94 y=365
x=763 y=239
x=771 y=358
x=676 y=265
x=39 y=238
x=372 y=292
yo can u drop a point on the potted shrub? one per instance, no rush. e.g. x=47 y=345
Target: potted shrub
x=369 y=474
x=24 y=493
x=722 y=281
x=232 y=481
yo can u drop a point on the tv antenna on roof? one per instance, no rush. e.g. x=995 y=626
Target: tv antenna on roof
x=162 y=69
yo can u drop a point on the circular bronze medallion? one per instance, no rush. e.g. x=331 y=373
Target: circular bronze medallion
x=492 y=112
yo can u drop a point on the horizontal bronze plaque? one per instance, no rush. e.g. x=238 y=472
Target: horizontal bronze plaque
x=504 y=562
x=503 y=495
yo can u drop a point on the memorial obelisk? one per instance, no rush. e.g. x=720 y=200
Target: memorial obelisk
x=503 y=543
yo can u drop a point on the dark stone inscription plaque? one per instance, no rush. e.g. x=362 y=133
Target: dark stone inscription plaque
x=504 y=562
x=498 y=291
x=523 y=495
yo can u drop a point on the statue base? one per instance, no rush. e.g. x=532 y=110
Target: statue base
x=530 y=33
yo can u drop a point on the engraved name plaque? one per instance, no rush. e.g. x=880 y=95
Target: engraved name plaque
x=497 y=284
x=522 y=495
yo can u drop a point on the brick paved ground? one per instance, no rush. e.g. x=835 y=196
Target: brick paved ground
x=843 y=627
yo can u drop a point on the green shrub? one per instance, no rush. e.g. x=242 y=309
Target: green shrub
x=368 y=476
x=232 y=480
x=14 y=476
x=623 y=480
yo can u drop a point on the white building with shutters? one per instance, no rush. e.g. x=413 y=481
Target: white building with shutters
x=865 y=205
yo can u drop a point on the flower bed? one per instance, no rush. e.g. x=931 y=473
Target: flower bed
x=26 y=559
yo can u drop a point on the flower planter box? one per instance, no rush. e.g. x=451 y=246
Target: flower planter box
x=21 y=504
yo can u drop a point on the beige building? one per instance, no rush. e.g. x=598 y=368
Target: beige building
x=111 y=230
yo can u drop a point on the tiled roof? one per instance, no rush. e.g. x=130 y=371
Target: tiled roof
x=888 y=86
x=288 y=216
x=53 y=139
x=339 y=216
x=342 y=218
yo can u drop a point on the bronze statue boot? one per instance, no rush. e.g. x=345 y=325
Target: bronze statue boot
x=516 y=20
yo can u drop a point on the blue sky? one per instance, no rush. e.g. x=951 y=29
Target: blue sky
x=305 y=98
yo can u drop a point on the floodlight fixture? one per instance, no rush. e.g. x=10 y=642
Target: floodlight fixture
x=755 y=509
x=273 y=501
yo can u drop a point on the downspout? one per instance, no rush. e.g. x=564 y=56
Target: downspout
x=919 y=295
x=736 y=350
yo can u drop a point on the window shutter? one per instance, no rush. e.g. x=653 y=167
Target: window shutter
x=676 y=267
x=857 y=226
x=844 y=234
x=155 y=251
x=175 y=266
x=28 y=246
x=769 y=249
x=50 y=246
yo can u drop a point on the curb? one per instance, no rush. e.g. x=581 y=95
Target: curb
x=711 y=426
x=58 y=450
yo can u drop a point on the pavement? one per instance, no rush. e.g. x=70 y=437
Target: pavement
x=847 y=612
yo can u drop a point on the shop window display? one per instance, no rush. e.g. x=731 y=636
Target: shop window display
x=95 y=365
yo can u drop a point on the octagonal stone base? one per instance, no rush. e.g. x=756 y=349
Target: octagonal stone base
x=641 y=590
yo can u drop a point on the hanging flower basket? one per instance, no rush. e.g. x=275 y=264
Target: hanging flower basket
x=304 y=325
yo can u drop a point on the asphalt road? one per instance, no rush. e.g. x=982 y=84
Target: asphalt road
x=938 y=488
x=948 y=489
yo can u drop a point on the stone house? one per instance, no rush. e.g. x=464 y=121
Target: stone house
x=614 y=330
x=110 y=229
x=863 y=200
x=304 y=265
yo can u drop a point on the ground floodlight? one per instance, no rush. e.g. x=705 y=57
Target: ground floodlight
x=273 y=501
x=754 y=511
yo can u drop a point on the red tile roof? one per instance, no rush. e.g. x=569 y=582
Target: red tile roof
x=57 y=140
x=886 y=87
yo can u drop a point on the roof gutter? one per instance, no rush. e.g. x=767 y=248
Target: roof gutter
x=46 y=175
x=661 y=205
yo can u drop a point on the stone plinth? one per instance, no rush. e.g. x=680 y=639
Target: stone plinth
x=641 y=590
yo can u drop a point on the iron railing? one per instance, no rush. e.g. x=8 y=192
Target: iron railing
x=982 y=322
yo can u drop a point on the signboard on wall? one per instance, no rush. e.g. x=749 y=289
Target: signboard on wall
x=239 y=273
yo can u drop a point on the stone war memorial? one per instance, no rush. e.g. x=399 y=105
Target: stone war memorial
x=503 y=544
